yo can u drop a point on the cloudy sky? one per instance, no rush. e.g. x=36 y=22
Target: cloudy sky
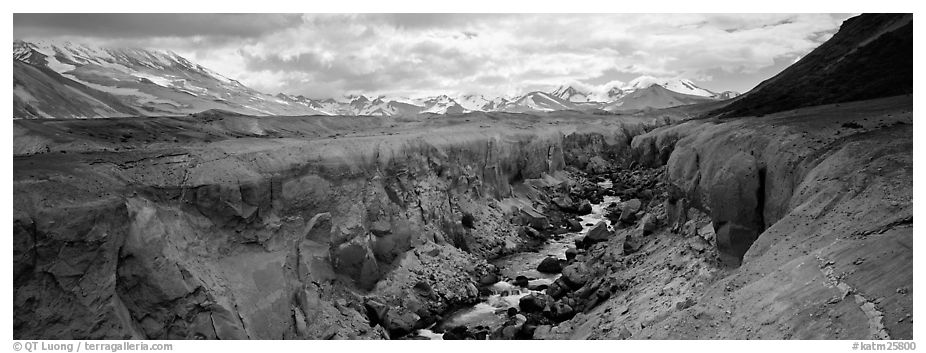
x=324 y=55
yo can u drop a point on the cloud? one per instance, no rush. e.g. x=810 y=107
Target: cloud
x=421 y=54
x=135 y=25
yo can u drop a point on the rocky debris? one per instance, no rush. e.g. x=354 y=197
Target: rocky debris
x=550 y=265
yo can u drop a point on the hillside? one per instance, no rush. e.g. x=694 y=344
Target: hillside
x=870 y=57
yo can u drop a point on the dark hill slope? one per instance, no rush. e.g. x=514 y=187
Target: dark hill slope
x=870 y=57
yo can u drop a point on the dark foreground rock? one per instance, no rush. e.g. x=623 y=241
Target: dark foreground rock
x=550 y=265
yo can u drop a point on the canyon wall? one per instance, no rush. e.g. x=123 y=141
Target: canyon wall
x=268 y=234
x=815 y=208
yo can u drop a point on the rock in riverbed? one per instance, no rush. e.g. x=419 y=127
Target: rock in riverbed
x=550 y=265
x=535 y=302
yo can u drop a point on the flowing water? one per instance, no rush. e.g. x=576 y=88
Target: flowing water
x=492 y=310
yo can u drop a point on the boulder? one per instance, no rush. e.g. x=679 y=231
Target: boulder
x=580 y=243
x=510 y=332
x=488 y=279
x=538 y=287
x=632 y=243
x=557 y=289
x=629 y=193
x=648 y=223
x=468 y=221
x=534 y=219
x=598 y=233
x=550 y=265
x=381 y=227
x=356 y=260
x=451 y=336
x=624 y=334
x=597 y=165
x=511 y=329
x=521 y=281
x=531 y=232
x=527 y=331
x=565 y=204
x=646 y=194
x=534 y=303
x=707 y=232
x=573 y=225
x=398 y=321
x=542 y=332
x=584 y=208
x=685 y=304
x=423 y=289
x=586 y=291
x=560 y=312
x=629 y=210
x=456 y=333
x=575 y=275
x=571 y=253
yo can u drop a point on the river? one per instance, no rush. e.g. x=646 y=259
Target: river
x=491 y=310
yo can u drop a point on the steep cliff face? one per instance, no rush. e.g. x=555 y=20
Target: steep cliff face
x=235 y=227
x=813 y=205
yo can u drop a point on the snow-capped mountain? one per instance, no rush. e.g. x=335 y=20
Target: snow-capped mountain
x=476 y=102
x=67 y=80
x=536 y=102
x=442 y=104
x=152 y=82
x=570 y=94
x=617 y=96
x=654 y=97
x=679 y=85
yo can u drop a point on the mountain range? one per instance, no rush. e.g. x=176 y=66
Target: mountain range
x=70 y=80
